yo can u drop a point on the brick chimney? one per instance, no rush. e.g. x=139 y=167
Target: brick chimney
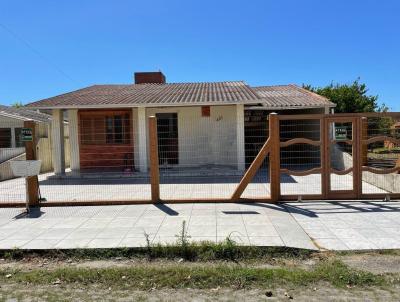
x=149 y=77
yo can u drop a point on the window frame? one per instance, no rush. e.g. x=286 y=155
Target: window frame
x=108 y=138
x=5 y=146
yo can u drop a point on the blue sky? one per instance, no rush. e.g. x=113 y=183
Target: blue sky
x=51 y=47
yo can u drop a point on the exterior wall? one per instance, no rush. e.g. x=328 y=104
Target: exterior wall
x=201 y=140
x=103 y=156
x=43 y=153
x=204 y=140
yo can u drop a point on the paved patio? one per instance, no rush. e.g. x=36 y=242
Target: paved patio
x=314 y=225
x=184 y=187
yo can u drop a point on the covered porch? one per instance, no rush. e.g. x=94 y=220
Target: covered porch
x=115 y=141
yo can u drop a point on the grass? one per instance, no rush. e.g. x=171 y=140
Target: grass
x=233 y=272
x=182 y=276
x=192 y=251
x=183 y=248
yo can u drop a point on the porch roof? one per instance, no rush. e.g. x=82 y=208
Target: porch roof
x=290 y=96
x=24 y=114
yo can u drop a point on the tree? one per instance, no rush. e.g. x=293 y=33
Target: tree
x=17 y=104
x=349 y=97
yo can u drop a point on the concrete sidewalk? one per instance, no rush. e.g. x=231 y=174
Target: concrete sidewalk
x=350 y=225
x=315 y=225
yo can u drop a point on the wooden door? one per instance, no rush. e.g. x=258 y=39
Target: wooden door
x=167 y=131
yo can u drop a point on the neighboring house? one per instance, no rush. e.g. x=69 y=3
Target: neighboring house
x=11 y=144
x=199 y=124
x=11 y=123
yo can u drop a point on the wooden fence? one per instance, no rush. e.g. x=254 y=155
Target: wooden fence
x=350 y=131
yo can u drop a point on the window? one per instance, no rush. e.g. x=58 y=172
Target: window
x=105 y=128
x=18 y=138
x=5 y=138
x=117 y=129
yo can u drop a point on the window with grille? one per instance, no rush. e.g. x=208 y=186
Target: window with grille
x=5 y=138
x=103 y=128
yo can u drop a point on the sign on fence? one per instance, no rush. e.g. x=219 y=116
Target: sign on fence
x=340 y=133
x=26 y=134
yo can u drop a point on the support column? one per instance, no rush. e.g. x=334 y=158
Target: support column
x=274 y=159
x=32 y=182
x=74 y=141
x=57 y=133
x=141 y=139
x=240 y=137
x=13 y=144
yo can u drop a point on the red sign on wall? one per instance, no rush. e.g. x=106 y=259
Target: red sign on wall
x=205 y=111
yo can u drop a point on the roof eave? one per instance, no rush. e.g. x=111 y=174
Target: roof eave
x=101 y=106
x=22 y=118
x=266 y=107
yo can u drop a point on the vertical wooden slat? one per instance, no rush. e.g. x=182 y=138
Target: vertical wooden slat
x=358 y=146
x=32 y=183
x=328 y=146
x=275 y=165
x=325 y=157
x=154 y=167
x=355 y=154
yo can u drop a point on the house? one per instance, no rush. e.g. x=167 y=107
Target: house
x=200 y=125
x=11 y=145
x=11 y=124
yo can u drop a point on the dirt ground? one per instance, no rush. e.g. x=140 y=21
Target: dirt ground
x=321 y=292
x=377 y=263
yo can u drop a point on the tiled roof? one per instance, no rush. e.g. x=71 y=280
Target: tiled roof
x=181 y=94
x=24 y=114
x=153 y=94
x=290 y=96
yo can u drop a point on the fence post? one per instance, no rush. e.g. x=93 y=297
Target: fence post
x=274 y=165
x=361 y=151
x=32 y=182
x=154 y=168
x=325 y=156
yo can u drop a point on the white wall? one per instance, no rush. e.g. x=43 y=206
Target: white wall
x=204 y=140
x=7 y=153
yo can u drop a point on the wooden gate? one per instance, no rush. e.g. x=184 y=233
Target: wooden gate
x=345 y=164
x=350 y=139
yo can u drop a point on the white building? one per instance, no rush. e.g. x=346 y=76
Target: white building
x=200 y=125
